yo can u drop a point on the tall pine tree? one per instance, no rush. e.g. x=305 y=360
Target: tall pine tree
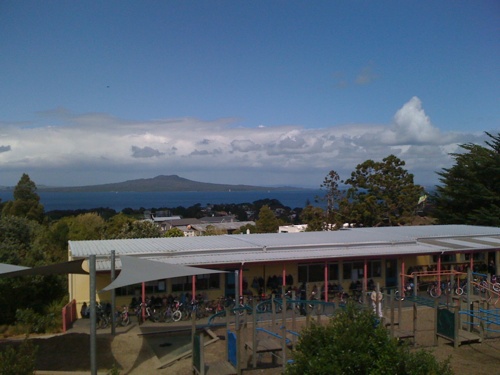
x=26 y=201
x=470 y=190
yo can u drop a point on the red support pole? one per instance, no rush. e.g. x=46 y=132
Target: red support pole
x=326 y=282
x=284 y=275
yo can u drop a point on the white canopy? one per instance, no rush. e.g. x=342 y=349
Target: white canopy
x=137 y=270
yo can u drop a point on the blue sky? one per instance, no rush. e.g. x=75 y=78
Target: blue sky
x=253 y=92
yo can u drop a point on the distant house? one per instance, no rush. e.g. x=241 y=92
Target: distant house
x=198 y=227
x=227 y=227
x=166 y=223
x=292 y=228
x=218 y=219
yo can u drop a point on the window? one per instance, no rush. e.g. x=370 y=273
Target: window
x=475 y=256
x=203 y=282
x=129 y=290
x=446 y=258
x=347 y=270
x=210 y=281
x=374 y=268
x=355 y=270
x=303 y=273
x=182 y=284
x=333 y=271
x=315 y=273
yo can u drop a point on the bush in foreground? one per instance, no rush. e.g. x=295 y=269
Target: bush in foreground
x=354 y=343
x=18 y=360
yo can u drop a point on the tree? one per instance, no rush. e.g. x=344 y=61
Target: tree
x=333 y=198
x=174 y=232
x=26 y=201
x=353 y=343
x=212 y=230
x=86 y=227
x=314 y=217
x=470 y=190
x=115 y=225
x=27 y=243
x=267 y=221
x=247 y=228
x=140 y=229
x=381 y=194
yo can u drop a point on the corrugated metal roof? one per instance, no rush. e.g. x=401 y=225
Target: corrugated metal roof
x=351 y=243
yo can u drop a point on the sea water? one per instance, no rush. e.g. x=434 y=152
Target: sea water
x=148 y=200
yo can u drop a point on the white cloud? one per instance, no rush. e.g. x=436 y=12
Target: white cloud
x=97 y=148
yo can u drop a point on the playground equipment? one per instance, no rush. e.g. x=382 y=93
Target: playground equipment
x=228 y=367
x=395 y=327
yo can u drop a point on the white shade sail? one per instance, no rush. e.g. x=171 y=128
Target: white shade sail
x=137 y=270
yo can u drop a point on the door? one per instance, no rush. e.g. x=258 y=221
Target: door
x=391 y=272
x=230 y=285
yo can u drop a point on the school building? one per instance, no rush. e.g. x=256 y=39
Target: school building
x=268 y=261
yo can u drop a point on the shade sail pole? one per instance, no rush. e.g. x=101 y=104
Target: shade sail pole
x=93 y=316
x=113 y=295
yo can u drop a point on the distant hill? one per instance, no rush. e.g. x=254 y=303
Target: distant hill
x=161 y=183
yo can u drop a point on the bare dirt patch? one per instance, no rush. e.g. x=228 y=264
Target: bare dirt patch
x=130 y=352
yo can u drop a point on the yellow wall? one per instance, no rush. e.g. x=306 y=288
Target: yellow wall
x=78 y=285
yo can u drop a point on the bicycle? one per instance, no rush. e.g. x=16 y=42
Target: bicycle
x=122 y=318
x=495 y=284
x=101 y=316
x=434 y=290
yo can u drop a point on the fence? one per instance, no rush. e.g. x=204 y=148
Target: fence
x=68 y=315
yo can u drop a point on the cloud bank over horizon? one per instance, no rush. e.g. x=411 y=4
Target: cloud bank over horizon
x=95 y=148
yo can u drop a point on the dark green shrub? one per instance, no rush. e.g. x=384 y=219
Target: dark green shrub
x=28 y=321
x=353 y=343
x=18 y=361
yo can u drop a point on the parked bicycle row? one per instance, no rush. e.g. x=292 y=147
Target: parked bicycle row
x=480 y=286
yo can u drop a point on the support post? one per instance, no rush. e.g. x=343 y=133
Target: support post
x=193 y=327
x=283 y=328
x=392 y=312
x=439 y=276
x=193 y=288
x=365 y=281
x=436 y=306
x=93 y=315
x=469 y=295
x=143 y=310
x=237 y=301
x=254 y=334
x=326 y=282
x=414 y=324
x=240 y=284
x=402 y=276
x=283 y=277
x=294 y=306
x=113 y=295
x=273 y=309
x=456 y=342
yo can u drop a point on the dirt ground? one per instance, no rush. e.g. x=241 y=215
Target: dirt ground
x=130 y=352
